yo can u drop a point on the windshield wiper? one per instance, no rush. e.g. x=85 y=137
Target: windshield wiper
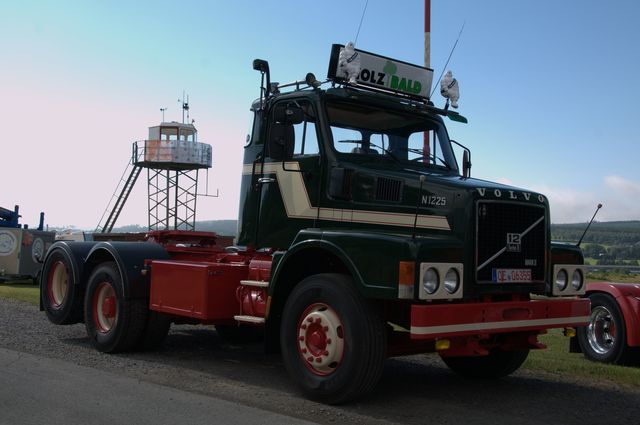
x=360 y=142
x=430 y=156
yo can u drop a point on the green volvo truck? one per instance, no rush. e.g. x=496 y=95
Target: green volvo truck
x=361 y=236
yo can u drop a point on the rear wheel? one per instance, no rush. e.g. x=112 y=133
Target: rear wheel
x=61 y=296
x=496 y=364
x=113 y=322
x=333 y=341
x=604 y=339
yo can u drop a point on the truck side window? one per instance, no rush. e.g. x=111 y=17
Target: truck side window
x=305 y=132
x=346 y=140
x=416 y=150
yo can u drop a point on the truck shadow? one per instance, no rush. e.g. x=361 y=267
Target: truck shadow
x=425 y=388
x=413 y=390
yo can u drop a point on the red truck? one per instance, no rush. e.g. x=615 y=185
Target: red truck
x=613 y=332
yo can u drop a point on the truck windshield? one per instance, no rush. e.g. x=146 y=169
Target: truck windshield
x=412 y=138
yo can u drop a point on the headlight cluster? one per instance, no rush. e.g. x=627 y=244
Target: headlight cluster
x=441 y=280
x=568 y=279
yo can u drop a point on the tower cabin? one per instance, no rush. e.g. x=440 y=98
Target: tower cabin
x=172 y=146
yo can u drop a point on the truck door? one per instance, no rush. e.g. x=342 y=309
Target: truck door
x=291 y=174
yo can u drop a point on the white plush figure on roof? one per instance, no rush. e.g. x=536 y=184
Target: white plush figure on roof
x=349 y=63
x=449 y=88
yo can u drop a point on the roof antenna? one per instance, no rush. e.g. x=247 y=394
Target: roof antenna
x=448 y=59
x=185 y=106
x=361 y=19
x=589 y=225
x=162 y=110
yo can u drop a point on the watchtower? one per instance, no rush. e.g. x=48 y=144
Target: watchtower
x=172 y=156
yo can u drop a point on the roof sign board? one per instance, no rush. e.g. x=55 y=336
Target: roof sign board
x=347 y=64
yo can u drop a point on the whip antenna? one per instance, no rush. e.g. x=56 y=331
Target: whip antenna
x=589 y=225
x=361 y=19
x=448 y=59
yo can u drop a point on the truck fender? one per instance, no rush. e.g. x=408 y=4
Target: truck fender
x=628 y=298
x=311 y=247
x=75 y=252
x=294 y=265
x=130 y=258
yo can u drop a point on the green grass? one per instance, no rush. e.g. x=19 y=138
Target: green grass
x=612 y=277
x=21 y=292
x=557 y=359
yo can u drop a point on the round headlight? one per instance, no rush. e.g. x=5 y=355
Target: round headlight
x=430 y=281
x=451 y=281
x=576 y=280
x=561 y=280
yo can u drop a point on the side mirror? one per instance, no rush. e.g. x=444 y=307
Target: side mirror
x=466 y=160
x=263 y=66
x=466 y=164
x=281 y=142
x=288 y=114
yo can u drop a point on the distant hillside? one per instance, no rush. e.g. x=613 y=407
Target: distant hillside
x=221 y=227
x=613 y=233
x=604 y=233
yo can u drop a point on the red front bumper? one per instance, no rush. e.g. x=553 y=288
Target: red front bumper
x=450 y=320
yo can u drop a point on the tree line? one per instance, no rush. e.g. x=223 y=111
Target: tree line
x=615 y=242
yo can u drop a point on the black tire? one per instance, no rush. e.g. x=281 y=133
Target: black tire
x=155 y=331
x=114 y=323
x=62 y=297
x=497 y=364
x=240 y=334
x=339 y=370
x=604 y=339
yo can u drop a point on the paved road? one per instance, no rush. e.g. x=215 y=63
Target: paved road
x=40 y=390
x=194 y=362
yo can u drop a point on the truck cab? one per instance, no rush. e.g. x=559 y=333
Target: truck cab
x=348 y=163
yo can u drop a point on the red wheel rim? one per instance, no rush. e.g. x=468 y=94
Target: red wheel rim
x=105 y=307
x=320 y=339
x=57 y=284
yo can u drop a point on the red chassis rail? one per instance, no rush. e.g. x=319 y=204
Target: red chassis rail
x=457 y=320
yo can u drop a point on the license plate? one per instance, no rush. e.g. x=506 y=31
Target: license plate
x=511 y=275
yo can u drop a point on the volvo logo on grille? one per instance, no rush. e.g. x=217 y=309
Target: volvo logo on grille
x=513 y=242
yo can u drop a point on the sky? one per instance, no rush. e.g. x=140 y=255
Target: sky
x=550 y=89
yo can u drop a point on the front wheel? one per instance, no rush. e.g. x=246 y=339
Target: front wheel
x=333 y=341
x=604 y=339
x=114 y=323
x=496 y=364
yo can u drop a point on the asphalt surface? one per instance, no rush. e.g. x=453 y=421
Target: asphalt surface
x=40 y=390
x=51 y=374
